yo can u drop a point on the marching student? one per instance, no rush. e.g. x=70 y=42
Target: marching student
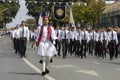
x=24 y=37
x=113 y=41
x=16 y=40
x=105 y=42
x=85 y=40
x=71 y=40
x=46 y=49
x=58 y=40
x=92 y=42
x=79 y=42
x=65 y=38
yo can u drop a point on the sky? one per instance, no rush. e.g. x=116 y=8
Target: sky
x=21 y=14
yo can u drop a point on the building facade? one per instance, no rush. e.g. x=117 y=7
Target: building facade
x=111 y=15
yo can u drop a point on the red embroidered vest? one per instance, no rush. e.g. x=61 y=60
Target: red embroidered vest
x=41 y=33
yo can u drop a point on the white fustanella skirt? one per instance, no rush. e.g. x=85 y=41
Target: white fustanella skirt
x=46 y=49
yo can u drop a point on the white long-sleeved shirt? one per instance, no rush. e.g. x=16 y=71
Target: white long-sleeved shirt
x=58 y=34
x=45 y=32
x=113 y=36
x=16 y=33
x=92 y=35
x=85 y=36
x=63 y=33
x=26 y=32
x=71 y=35
x=79 y=36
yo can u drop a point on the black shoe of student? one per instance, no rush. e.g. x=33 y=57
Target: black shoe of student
x=24 y=56
x=51 y=60
x=41 y=61
x=43 y=73
x=21 y=56
x=111 y=58
x=47 y=71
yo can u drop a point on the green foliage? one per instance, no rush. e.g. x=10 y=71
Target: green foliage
x=88 y=14
x=1 y=14
x=84 y=14
x=10 y=10
x=31 y=22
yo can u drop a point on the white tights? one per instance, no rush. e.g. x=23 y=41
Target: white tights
x=46 y=61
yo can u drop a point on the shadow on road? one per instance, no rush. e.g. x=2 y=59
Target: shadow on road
x=24 y=73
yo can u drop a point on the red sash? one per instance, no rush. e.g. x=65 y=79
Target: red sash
x=41 y=33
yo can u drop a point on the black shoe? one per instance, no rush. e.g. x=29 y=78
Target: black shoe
x=47 y=71
x=43 y=73
x=24 y=56
x=111 y=58
x=51 y=60
x=41 y=61
x=21 y=56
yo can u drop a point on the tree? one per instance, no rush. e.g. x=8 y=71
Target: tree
x=90 y=13
x=97 y=9
x=1 y=14
x=11 y=9
x=81 y=13
x=31 y=22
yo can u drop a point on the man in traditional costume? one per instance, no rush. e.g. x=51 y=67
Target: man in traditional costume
x=46 y=35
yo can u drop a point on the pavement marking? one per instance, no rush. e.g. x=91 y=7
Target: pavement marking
x=96 y=62
x=37 y=69
x=88 y=72
x=6 y=51
x=61 y=66
x=118 y=69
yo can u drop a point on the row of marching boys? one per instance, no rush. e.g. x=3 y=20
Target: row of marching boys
x=75 y=41
x=79 y=42
x=20 y=36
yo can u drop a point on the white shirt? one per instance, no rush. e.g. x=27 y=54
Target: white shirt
x=16 y=34
x=64 y=32
x=79 y=36
x=92 y=35
x=86 y=36
x=58 y=34
x=105 y=36
x=71 y=35
x=45 y=32
x=113 y=36
x=26 y=32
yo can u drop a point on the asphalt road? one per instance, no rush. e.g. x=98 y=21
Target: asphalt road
x=72 y=68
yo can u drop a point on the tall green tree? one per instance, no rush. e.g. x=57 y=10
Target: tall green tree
x=1 y=14
x=97 y=8
x=31 y=22
x=10 y=10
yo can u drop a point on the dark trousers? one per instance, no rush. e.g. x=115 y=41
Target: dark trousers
x=104 y=48
x=23 y=42
x=112 y=46
x=100 y=49
x=16 y=45
x=84 y=48
x=78 y=48
x=58 y=46
x=75 y=47
x=71 y=46
x=92 y=45
x=117 y=51
x=64 y=47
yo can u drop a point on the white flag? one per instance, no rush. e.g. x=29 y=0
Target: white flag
x=71 y=21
